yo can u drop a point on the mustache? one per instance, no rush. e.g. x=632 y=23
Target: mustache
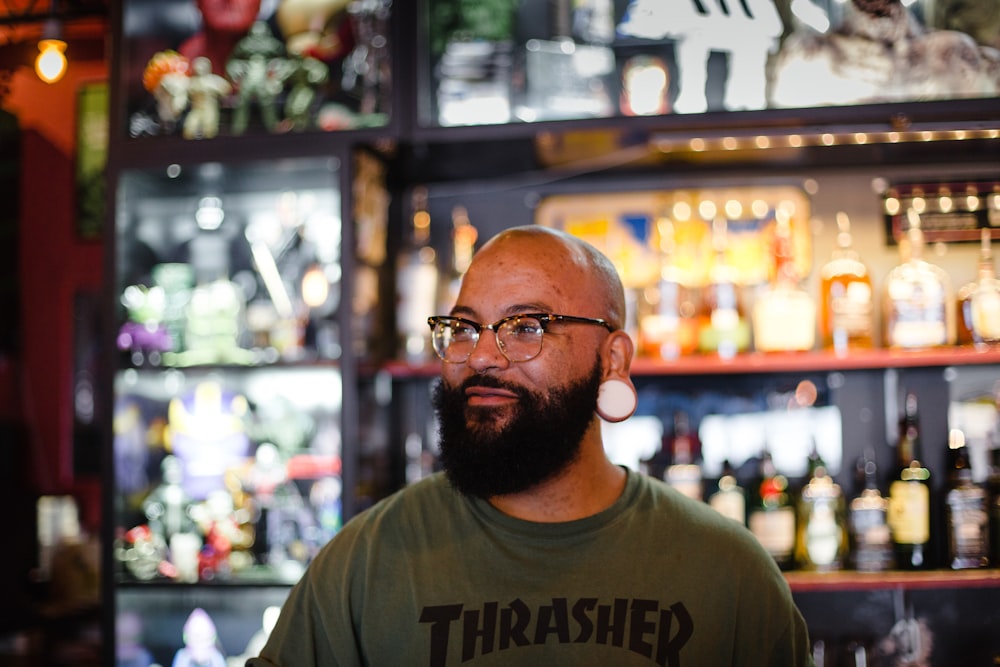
x=490 y=382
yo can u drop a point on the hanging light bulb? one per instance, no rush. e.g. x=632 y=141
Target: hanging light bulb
x=50 y=65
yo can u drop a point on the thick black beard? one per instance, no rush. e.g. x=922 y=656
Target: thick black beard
x=540 y=439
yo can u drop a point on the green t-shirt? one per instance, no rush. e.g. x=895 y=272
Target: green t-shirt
x=430 y=577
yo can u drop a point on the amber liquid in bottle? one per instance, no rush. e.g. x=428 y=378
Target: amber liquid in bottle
x=909 y=496
x=847 y=311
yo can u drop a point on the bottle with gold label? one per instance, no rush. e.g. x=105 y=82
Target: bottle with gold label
x=979 y=301
x=910 y=496
x=847 y=311
x=918 y=305
x=784 y=314
x=667 y=325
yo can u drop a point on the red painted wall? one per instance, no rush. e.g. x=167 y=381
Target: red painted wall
x=54 y=265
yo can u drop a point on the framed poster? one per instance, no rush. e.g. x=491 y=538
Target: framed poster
x=91 y=158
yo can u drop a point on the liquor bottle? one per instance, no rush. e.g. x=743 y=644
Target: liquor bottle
x=668 y=328
x=918 y=308
x=821 y=537
x=416 y=285
x=870 y=539
x=847 y=311
x=979 y=301
x=730 y=500
x=771 y=513
x=784 y=314
x=909 y=496
x=966 y=510
x=723 y=327
x=684 y=473
x=463 y=246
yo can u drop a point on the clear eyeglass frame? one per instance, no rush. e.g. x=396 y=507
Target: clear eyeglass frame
x=519 y=337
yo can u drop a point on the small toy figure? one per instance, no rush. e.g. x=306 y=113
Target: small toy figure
x=129 y=650
x=166 y=77
x=144 y=335
x=209 y=437
x=200 y=643
x=168 y=507
x=258 y=69
x=204 y=90
x=306 y=75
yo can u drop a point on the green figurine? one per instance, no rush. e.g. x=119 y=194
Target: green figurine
x=258 y=68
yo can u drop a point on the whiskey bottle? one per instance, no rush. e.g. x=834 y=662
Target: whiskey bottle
x=723 y=327
x=966 y=511
x=821 y=538
x=847 y=311
x=870 y=539
x=784 y=314
x=918 y=299
x=771 y=514
x=416 y=285
x=668 y=328
x=730 y=500
x=684 y=473
x=909 y=496
x=979 y=301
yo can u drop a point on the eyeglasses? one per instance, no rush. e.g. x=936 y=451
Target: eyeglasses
x=519 y=337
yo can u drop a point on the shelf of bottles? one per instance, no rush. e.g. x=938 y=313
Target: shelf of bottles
x=228 y=404
x=200 y=70
x=511 y=61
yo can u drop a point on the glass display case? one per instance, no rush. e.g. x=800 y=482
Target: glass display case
x=228 y=397
x=200 y=69
x=511 y=61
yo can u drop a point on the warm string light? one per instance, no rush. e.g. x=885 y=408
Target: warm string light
x=50 y=65
x=730 y=143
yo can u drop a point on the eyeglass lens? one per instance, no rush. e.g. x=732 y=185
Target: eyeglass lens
x=519 y=338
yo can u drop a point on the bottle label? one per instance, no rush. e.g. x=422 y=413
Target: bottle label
x=730 y=504
x=968 y=520
x=909 y=512
x=851 y=310
x=775 y=530
x=986 y=315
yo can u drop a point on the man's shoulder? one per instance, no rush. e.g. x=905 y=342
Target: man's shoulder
x=430 y=496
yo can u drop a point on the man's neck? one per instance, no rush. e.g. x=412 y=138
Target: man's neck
x=588 y=486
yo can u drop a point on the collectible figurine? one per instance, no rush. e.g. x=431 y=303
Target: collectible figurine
x=168 y=507
x=306 y=75
x=144 y=336
x=316 y=28
x=258 y=69
x=200 y=643
x=166 y=77
x=204 y=90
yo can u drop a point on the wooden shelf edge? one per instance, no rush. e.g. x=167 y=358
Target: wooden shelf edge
x=848 y=580
x=769 y=362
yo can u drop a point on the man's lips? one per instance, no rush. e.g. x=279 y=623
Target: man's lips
x=487 y=396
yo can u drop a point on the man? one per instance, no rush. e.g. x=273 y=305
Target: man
x=533 y=548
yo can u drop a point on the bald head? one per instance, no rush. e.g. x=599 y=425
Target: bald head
x=581 y=265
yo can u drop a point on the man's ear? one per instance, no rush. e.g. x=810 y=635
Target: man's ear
x=617 y=354
x=617 y=398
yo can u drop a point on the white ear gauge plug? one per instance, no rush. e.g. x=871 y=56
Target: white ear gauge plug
x=616 y=401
